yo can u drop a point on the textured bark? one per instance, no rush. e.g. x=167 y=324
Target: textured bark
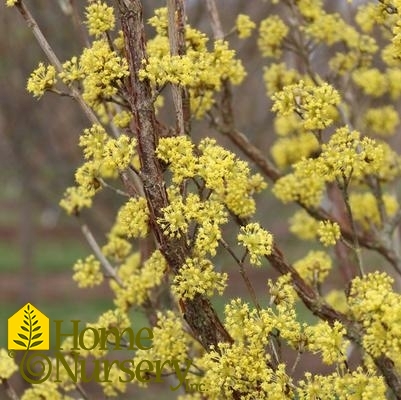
x=198 y=313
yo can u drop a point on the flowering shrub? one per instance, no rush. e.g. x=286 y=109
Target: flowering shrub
x=332 y=157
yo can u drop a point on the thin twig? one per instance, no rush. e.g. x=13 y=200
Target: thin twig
x=100 y=256
x=11 y=393
x=50 y=54
x=244 y=276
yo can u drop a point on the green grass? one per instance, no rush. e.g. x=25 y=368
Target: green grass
x=54 y=255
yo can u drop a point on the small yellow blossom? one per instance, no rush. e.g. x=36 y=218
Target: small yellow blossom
x=87 y=273
x=198 y=277
x=337 y=299
x=277 y=76
x=76 y=198
x=257 y=241
x=99 y=18
x=139 y=279
x=133 y=218
x=371 y=81
x=71 y=71
x=315 y=104
x=116 y=248
x=7 y=365
x=42 y=78
x=272 y=32
x=287 y=151
x=327 y=340
x=329 y=233
x=10 y=3
x=314 y=267
x=303 y=225
x=382 y=120
x=122 y=119
x=45 y=391
x=365 y=209
x=306 y=184
x=244 y=26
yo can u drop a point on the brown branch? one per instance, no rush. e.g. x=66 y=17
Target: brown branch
x=176 y=33
x=51 y=56
x=198 y=312
x=322 y=310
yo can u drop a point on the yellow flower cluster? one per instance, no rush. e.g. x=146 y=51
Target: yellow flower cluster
x=197 y=276
x=289 y=150
x=327 y=340
x=170 y=341
x=110 y=156
x=228 y=177
x=373 y=303
x=272 y=32
x=314 y=267
x=338 y=300
x=244 y=26
x=122 y=119
x=110 y=319
x=285 y=318
x=105 y=158
x=76 y=198
x=133 y=218
x=358 y=384
x=7 y=365
x=382 y=120
x=314 y=104
x=46 y=391
x=303 y=225
x=99 y=18
x=178 y=153
x=328 y=232
x=87 y=273
x=371 y=81
x=365 y=210
x=42 y=78
x=116 y=248
x=100 y=69
x=257 y=241
x=10 y=3
x=277 y=76
x=304 y=184
x=112 y=381
x=138 y=280
x=347 y=154
x=200 y=70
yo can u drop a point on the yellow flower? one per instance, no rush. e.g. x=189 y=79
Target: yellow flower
x=315 y=104
x=197 y=276
x=133 y=218
x=244 y=26
x=328 y=232
x=272 y=32
x=99 y=18
x=257 y=241
x=76 y=198
x=10 y=3
x=7 y=365
x=327 y=340
x=42 y=78
x=88 y=273
x=382 y=120
x=314 y=267
x=303 y=225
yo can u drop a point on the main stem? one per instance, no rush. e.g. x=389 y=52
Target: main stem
x=198 y=312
